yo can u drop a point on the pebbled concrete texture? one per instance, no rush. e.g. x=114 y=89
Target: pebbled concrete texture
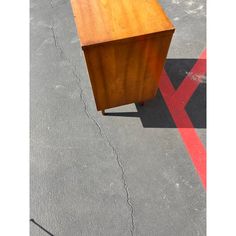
x=113 y=175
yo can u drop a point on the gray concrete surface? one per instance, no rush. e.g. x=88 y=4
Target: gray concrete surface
x=94 y=175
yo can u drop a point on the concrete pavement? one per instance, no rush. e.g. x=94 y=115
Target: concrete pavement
x=114 y=175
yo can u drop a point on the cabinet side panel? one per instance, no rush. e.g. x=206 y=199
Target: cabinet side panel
x=128 y=72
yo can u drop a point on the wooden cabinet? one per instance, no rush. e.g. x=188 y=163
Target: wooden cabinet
x=125 y=43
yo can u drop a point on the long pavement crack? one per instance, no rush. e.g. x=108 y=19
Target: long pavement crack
x=51 y=3
x=41 y=227
x=102 y=133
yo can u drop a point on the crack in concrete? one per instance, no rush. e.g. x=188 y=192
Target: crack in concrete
x=102 y=133
x=128 y=199
x=51 y=3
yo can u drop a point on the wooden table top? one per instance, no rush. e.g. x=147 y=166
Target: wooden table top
x=100 y=21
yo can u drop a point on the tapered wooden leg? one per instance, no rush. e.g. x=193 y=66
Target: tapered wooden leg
x=103 y=112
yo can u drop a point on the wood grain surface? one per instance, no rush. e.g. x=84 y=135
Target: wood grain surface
x=101 y=21
x=125 y=43
x=128 y=72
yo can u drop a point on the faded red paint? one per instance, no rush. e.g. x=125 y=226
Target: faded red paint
x=176 y=100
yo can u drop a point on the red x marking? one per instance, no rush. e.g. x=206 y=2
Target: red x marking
x=176 y=100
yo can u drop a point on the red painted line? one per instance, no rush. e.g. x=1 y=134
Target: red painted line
x=191 y=81
x=176 y=100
